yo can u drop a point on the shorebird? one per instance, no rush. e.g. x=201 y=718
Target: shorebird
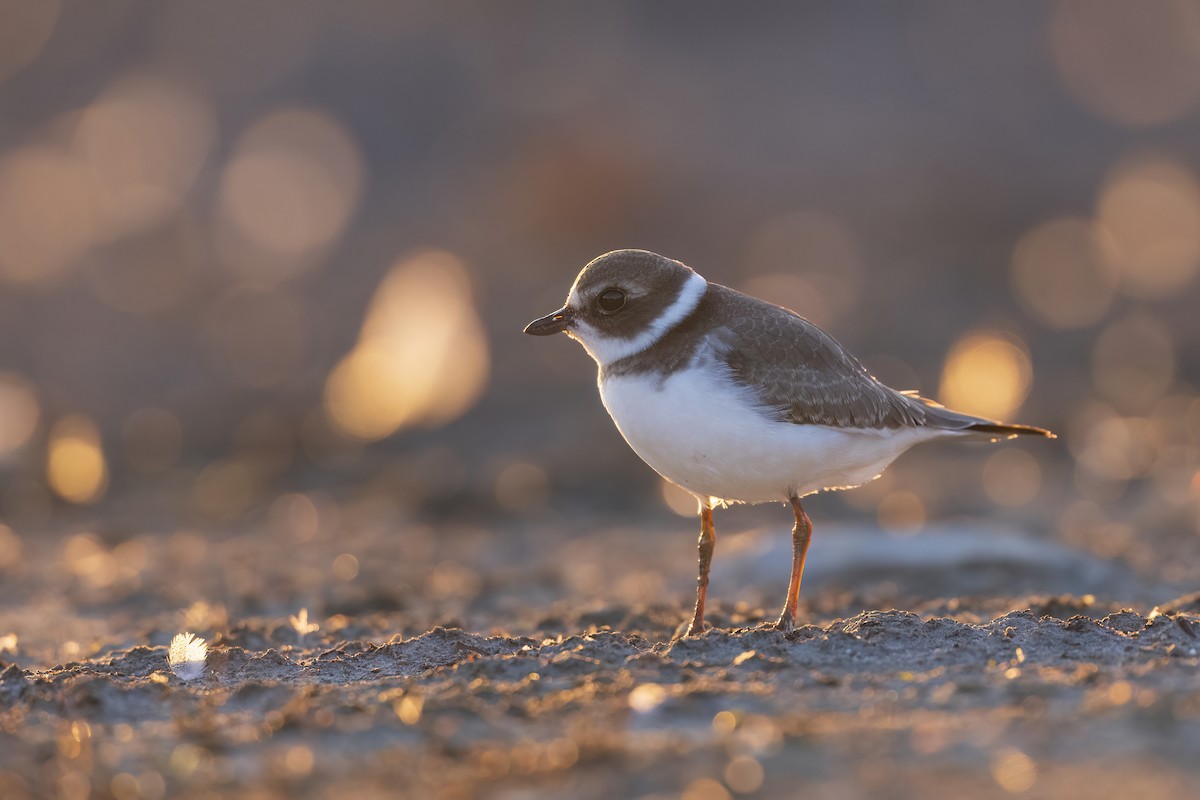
x=737 y=400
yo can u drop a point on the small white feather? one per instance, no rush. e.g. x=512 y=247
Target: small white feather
x=302 y=626
x=187 y=655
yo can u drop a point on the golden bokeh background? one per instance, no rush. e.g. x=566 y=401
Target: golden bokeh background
x=269 y=260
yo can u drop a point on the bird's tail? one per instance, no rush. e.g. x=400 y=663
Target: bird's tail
x=938 y=416
x=1001 y=430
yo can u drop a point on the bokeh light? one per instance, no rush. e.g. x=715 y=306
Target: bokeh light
x=807 y=261
x=1136 y=64
x=1014 y=771
x=422 y=356
x=987 y=373
x=20 y=412
x=288 y=193
x=86 y=557
x=295 y=517
x=646 y=697
x=345 y=567
x=47 y=218
x=1133 y=363
x=1151 y=207
x=1064 y=272
x=143 y=141
x=1117 y=448
x=744 y=774
x=705 y=789
x=75 y=465
x=27 y=27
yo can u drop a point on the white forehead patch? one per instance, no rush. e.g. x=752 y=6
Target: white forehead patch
x=609 y=349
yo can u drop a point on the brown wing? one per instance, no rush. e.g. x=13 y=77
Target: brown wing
x=802 y=374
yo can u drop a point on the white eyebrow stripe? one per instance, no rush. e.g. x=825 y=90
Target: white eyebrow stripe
x=607 y=350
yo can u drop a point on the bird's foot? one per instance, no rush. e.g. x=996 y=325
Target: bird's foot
x=695 y=629
x=785 y=624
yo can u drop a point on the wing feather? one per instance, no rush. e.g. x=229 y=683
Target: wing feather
x=803 y=375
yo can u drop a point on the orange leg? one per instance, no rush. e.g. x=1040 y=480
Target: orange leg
x=801 y=534
x=708 y=540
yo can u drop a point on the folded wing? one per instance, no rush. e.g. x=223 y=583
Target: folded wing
x=803 y=375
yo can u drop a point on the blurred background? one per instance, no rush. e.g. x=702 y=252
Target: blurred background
x=264 y=265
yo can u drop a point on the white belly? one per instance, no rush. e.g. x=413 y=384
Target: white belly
x=700 y=431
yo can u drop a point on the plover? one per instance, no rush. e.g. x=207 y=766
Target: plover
x=737 y=400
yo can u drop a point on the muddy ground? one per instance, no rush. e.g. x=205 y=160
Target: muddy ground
x=541 y=661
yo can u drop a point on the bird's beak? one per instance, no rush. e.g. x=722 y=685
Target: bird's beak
x=551 y=323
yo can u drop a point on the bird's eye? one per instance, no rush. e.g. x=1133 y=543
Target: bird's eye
x=611 y=301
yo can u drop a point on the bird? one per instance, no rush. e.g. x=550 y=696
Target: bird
x=737 y=400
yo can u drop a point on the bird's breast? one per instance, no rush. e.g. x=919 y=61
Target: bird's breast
x=699 y=429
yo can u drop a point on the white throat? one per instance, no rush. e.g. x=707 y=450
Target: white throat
x=607 y=349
